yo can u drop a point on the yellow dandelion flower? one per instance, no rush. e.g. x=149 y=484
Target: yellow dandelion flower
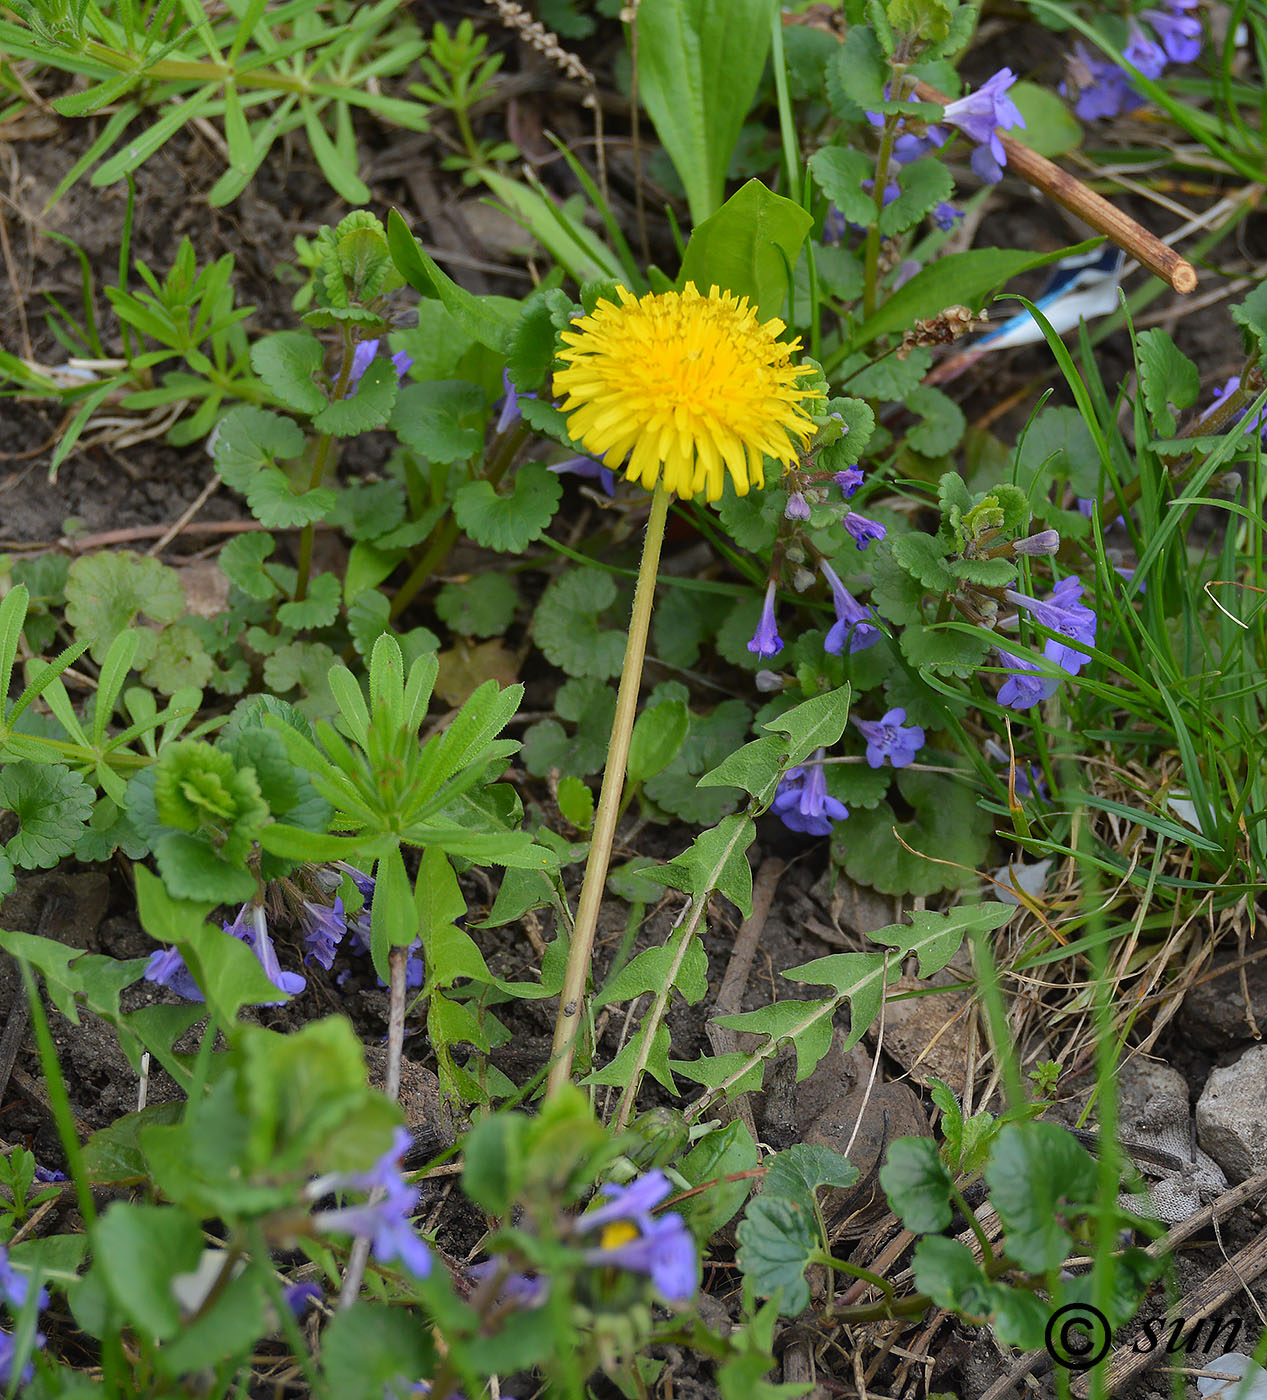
x=686 y=387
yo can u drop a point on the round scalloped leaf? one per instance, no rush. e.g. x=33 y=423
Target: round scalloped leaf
x=947 y=824
x=369 y=406
x=857 y=785
x=944 y=649
x=248 y=438
x=566 y=628
x=483 y=606
x=191 y=869
x=179 y=659
x=107 y=592
x=442 y=419
x=287 y=362
x=509 y=523
x=318 y=609
x=52 y=805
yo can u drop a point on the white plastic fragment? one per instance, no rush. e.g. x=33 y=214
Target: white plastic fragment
x=1250 y=1382
x=1029 y=879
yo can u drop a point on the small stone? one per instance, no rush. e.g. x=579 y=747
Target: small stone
x=1232 y=1115
x=1214 y=1011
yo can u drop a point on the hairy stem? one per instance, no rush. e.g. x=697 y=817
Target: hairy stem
x=576 y=973
x=320 y=457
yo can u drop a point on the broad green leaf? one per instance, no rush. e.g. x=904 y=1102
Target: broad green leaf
x=840 y=171
x=287 y=363
x=917 y=1184
x=52 y=806
x=659 y=732
x=798 y=1171
x=723 y=1152
x=777 y=1242
x=1168 y=379
x=139 y=1248
x=107 y=592
x=1051 y=129
x=1040 y=1176
x=368 y=406
x=804 y=1024
x=509 y=523
x=748 y=247
x=442 y=420
x=481 y=606
x=922 y=184
x=699 y=65
x=241 y=560
x=565 y=624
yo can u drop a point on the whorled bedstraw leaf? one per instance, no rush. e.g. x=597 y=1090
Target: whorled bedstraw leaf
x=1168 y=379
x=482 y=606
x=288 y=362
x=923 y=183
x=241 y=561
x=52 y=806
x=318 y=609
x=368 y=406
x=508 y=523
x=442 y=420
x=565 y=624
x=107 y=592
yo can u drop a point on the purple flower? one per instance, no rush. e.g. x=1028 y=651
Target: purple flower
x=1102 y=88
x=802 y=803
x=323 y=928
x=853 y=621
x=15 y=1287
x=863 y=530
x=1044 y=542
x=1142 y=53
x=588 y=466
x=299 y=1295
x=1062 y=612
x=890 y=737
x=251 y=929
x=1259 y=423
x=834 y=225
x=797 y=507
x=1180 y=34
x=1027 y=687
x=945 y=216
x=979 y=115
x=662 y=1248
x=8 y=1359
x=517 y=1290
x=908 y=147
x=1086 y=506
x=167 y=968
x=511 y=412
x=849 y=480
x=48 y=1174
x=633 y=1202
x=766 y=641
x=385 y=1220
x=363 y=356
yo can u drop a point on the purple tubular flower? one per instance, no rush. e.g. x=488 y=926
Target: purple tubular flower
x=362 y=358
x=588 y=466
x=633 y=1202
x=1180 y=35
x=250 y=927
x=299 y=1295
x=1044 y=542
x=167 y=968
x=849 y=480
x=979 y=115
x=1142 y=53
x=797 y=507
x=511 y=412
x=890 y=737
x=663 y=1249
x=385 y=1221
x=853 y=621
x=1102 y=88
x=802 y=803
x=1064 y=613
x=945 y=216
x=766 y=641
x=1027 y=687
x=8 y=1359
x=862 y=530
x=16 y=1287
x=47 y=1175
x=324 y=928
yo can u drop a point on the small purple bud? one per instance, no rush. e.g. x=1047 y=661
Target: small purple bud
x=797 y=507
x=1045 y=542
x=768 y=682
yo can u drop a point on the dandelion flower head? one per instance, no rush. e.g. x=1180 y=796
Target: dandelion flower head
x=687 y=387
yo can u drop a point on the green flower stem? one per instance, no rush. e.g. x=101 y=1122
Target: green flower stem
x=576 y=973
x=871 y=256
x=194 y=70
x=320 y=457
x=438 y=551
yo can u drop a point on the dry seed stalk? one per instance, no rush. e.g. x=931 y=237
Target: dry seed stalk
x=537 y=36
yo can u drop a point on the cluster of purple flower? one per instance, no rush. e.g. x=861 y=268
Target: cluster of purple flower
x=1063 y=613
x=15 y=1290
x=383 y=1218
x=323 y=928
x=1103 y=89
x=363 y=356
